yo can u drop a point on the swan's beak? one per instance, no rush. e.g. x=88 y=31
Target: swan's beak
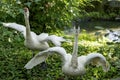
x=76 y=23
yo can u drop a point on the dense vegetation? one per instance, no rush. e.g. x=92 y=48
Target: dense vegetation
x=48 y=16
x=14 y=55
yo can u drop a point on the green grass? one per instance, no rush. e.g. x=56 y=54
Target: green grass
x=14 y=55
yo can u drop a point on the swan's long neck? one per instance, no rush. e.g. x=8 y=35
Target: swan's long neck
x=74 y=60
x=28 y=34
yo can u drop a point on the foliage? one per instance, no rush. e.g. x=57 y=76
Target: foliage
x=49 y=15
x=14 y=55
x=52 y=13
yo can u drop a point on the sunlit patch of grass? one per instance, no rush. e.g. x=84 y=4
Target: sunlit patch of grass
x=90 y=43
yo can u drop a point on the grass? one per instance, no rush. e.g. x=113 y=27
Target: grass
x=14 y=55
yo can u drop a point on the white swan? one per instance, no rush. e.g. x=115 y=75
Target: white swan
x=113 y=36
x=72 y=65
x=32 y=40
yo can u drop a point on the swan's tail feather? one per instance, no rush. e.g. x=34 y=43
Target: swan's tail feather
x=56 y=40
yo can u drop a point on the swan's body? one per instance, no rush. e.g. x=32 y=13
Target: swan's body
x=67 y=67
x=72 y=65
x=32 y=40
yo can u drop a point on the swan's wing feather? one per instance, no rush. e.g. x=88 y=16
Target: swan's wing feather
x=35 y=61
x=98 y=59
x=55 y=40
x=82 y=60
x=15 y=26
x=42 y=36
x=41 y=56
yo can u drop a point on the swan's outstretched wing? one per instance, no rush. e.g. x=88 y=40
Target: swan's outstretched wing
x=55 y=40
x=41 y=56
x=95 y=58
x=99 y=59
x=15 y=26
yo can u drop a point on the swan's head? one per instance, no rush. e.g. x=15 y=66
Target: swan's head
x=26 y=12
x=76 y=23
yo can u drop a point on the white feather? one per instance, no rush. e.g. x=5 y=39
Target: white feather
x=35 y=61
x=55 y=40
x=42 y=37
x=15 y=26
x=41 y=56
x=97 y=59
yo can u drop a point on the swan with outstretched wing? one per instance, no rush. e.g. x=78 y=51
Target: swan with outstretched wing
x=72 y=64
x=32 y=40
